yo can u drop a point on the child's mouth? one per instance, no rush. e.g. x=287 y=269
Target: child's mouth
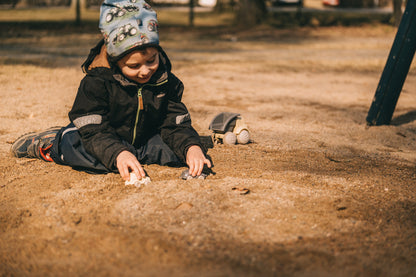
x=143 y=80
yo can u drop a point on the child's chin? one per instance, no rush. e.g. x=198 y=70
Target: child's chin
x=142 y=81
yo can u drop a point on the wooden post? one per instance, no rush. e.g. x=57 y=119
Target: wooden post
x=191 y=13
x=395 y=70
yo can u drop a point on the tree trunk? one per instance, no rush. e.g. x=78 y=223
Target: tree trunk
x=21 y=3
x=397 y=11
x=251 y=12
x=78 y=6
x=191 y=12
x=224 y=5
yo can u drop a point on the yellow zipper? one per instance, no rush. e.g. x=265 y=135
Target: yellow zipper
x=140 y=106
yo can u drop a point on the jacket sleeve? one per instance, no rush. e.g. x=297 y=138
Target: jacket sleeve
x=90 y=115
x=177 y=131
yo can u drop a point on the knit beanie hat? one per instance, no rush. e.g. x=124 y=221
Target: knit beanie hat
x=127 y=25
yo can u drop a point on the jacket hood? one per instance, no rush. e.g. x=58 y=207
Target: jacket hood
x=98 y=64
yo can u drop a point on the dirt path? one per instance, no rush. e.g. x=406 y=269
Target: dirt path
x=327 y=196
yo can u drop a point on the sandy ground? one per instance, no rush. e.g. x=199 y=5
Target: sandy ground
x=327 y=196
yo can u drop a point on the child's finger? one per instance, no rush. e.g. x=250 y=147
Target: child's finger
x=208 y=163
x=137 y=169
x=199 y=167
x=140 y=172
x=192 y=168
x=124 y=172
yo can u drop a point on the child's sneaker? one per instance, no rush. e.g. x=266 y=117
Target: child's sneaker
x=35 y=145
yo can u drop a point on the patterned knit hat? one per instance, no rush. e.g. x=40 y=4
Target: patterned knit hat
x=127 y=25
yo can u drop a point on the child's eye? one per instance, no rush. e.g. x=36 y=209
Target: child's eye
x=134 y=66
x=151 y=61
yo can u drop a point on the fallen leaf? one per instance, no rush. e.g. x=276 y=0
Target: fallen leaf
x=184 y=206
x=241 y=190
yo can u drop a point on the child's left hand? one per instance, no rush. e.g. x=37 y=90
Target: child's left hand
x=196 y=160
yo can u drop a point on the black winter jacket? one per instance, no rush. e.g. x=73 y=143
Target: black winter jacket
x=109 y=109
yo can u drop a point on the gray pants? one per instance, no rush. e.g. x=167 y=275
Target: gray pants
x=68 y=150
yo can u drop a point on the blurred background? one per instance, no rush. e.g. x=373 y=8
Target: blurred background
x=235 y=12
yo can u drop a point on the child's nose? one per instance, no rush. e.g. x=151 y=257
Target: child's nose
x=145 y=71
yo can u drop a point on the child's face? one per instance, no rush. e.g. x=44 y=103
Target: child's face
x=139 y=66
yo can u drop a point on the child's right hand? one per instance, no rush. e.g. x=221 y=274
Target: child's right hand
x=127 y=162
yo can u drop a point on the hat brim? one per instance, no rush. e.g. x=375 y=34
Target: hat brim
x=114 y=59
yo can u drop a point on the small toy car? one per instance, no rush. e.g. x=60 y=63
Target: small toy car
x=123 y=32
x=119 y=12
x=229 y=128
x=152 y=26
